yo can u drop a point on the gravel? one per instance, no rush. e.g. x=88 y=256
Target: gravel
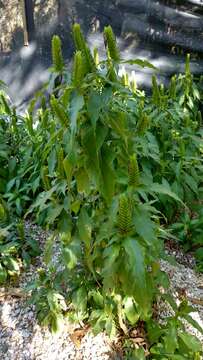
x=185 y=282
x=21 y=338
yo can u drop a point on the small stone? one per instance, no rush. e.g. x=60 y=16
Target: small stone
x=4 y=347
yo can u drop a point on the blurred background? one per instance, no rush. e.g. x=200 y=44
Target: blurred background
x=162 y=32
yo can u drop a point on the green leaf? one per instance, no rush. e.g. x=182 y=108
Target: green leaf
x=59 y=112
x=41 y=200
x=190 y=181
x=34 y=245
x=139 y=354
x=97 y=102
x=199 y=254
x=85 y=227
x=82 y=180
x=76 y=104
x=137 y=274
x=68 y=167
x=35 y=184
x=143 y=225
x=53 y=213
x=108 y=174
x=173 y=357
x=110 y=328
x=48 y=251
x=154 y=331
x=64 y=224
x=100 y=135
x=94 y=106
x=111 y=253
x=52 y=161
x=170 y=340
x=92 y=165
x=110 y=267
x=26 y=258
x=130 y=310
x=191 y=342
x=97 y=298
x=3 y=274
x=75 y=206
x=56 y=322
x=12 y=165
x=119 y=125
x=139 y=62
x=79 y=300
x=163 y=189
x=193 y=322
x=69 y=257
x=11 y=264
x=101 y=320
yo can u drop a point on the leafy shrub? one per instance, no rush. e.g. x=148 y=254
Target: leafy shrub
x=170 y=341
x=188 y=231
x=8 y=142
x=109 y=168
x=50 y=304
x=16 y=249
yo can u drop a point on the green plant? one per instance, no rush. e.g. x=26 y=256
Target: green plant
x=8 y=141
x=171 y=340
x=50 y=304
x=106 y=168
x=16 y=248
x=168 y=340
x=83 y=187
x=188 y=231
x=180 y=137
x=106 y=175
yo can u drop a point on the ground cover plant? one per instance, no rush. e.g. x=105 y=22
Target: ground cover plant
x=109 y=170
x=15 y=248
